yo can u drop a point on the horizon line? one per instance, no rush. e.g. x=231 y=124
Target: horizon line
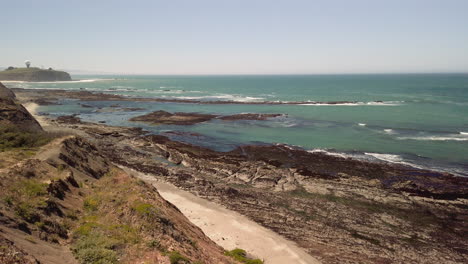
x=270 y=74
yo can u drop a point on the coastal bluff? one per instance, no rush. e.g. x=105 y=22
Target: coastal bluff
x=63 y=201
x=14 y=114
x=34 y=75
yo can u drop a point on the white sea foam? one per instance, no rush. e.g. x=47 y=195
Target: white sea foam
x=389 y=103
x=385 y=157
x=289 y=124
x=389 y=131
x=362 y=124
x=436 y=138
x=325 y=104
x=122 y=87
x=335 y=154
x=111 y=90
x=169 y=87
x=171 y=91
x=463 y=133
x=228 y=97
x=392 y=158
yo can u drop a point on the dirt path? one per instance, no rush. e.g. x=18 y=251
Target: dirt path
x=230 y=229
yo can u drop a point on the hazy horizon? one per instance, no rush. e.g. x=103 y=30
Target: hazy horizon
x=236 y=38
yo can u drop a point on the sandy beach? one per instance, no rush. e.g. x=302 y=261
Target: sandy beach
x=230 y=229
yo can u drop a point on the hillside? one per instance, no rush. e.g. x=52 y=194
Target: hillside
x=34 y=75
x=63 y=201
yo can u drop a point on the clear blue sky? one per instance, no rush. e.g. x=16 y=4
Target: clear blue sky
x=238 y=36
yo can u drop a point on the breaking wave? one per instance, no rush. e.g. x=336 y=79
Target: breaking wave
x=227 y=97
x=387 y=103
x=436 y=138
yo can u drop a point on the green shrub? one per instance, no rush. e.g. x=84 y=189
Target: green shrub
x=86 y=228
x=32 y=188
x=61 y=167
x=91 y=204
x=241 y=255
x=27 y=212
x=153 y=244
x=12 y=137
x=145 y=209
x=8 y=200
x=39 y=224
x=95 y=248
x=177 y=258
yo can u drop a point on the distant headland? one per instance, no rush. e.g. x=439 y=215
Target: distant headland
x=33 y=74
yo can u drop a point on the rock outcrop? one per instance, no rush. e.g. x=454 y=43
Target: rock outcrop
x=166 y=118
x=181 y=118
x=13 y=113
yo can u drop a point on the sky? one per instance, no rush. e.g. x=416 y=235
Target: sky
x=237 y=36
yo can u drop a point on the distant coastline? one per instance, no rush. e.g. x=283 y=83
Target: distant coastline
x=33 y=75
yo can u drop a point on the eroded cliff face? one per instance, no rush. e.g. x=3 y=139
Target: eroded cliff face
x=13 y=113
x=34 y=75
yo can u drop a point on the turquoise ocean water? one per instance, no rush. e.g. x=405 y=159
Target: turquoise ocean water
x=422 y=119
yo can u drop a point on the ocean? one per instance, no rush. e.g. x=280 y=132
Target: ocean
x=413 y=119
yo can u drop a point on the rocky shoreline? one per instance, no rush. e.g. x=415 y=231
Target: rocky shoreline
x=339 y=209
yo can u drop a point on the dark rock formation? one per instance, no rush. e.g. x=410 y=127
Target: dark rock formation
x=180 y=118
x=69 y=119
x=166 y=118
